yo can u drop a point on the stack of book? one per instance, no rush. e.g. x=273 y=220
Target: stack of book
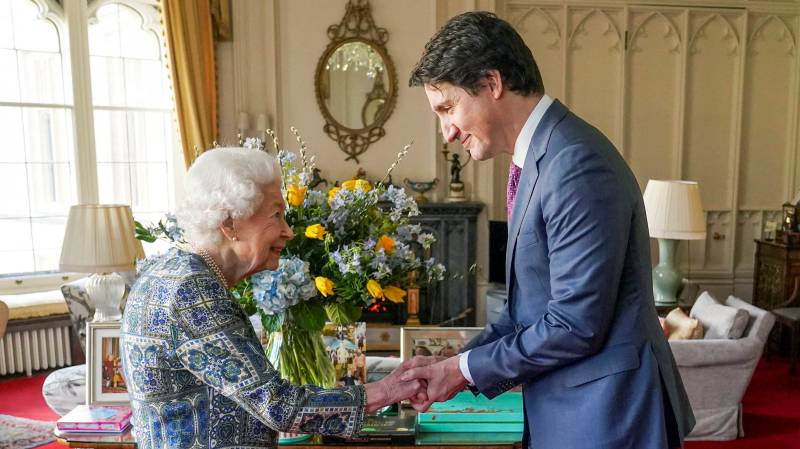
x=96 y=418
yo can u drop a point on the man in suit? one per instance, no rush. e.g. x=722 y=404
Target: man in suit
x=579 y=331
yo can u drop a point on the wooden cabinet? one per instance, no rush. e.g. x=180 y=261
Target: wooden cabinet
x=455 y=226
x=777 y=273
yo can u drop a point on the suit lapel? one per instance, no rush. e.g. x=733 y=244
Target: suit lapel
x=528 y=178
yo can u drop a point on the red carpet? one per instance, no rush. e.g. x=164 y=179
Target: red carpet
x=22 y=396
x=771 y=408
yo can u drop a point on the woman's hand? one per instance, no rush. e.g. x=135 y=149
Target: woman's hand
x=391 y=389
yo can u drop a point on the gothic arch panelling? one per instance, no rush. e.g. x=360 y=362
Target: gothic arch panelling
x=785 y=32
x=729 y=33
x=594 y=67
x=653 y=65
x=711 y=113
x=540 y=28
x=670 y=31
x=768 y=111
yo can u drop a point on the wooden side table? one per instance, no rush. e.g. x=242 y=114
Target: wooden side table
x=777 y=274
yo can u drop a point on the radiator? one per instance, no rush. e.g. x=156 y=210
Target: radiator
x=36 y=349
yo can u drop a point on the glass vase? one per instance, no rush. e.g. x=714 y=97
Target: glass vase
x=299 y=355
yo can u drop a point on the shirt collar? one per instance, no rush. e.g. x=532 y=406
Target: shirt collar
x=526 y=134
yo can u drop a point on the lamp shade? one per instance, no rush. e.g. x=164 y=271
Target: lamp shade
x=100 y=238
x=674 y=210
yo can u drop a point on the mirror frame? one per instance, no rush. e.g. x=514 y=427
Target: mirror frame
x=356 y=26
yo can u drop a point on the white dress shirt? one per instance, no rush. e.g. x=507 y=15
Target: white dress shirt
x=520 y=151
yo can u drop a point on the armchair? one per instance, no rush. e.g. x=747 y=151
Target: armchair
x=716 y=373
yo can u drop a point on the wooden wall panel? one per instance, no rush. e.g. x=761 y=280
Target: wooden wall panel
x=711 y=99
x=767 y=113
x=594 y=67
x=542 y=29
x=654 y=64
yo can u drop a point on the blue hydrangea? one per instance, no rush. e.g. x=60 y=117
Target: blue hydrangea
x=276 y=291
x=402 y=204
x=315 y=198
x=173 y=231
x=286 y=157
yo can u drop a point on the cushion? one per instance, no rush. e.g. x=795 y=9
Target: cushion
x=681 y=327
x=718 y=320
x=664 y=328
x=34 y=305
x=65 y=389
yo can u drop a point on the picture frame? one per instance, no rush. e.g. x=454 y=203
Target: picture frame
x=105 y=383
x=432 y=340
x=346 y=346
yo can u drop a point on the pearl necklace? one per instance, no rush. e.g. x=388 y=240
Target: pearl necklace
x=213 y=265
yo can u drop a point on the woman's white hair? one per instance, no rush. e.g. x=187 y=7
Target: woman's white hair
x=222 y=183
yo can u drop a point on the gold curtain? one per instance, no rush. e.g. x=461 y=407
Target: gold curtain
x=190 y=43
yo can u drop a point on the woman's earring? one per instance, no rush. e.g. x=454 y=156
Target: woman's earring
x=235 y=239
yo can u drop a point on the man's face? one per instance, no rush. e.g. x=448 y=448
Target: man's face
x=472 y=120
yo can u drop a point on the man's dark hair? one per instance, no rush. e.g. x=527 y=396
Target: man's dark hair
x=469 y=45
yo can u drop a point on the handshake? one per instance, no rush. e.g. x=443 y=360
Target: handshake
x=422 y=380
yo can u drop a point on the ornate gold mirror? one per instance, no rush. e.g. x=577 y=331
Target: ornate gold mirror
x=355 y=82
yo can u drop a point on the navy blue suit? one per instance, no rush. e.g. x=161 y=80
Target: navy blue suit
x=580 y=330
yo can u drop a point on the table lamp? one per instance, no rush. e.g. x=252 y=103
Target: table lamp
x=674 y=212
x=100 y=239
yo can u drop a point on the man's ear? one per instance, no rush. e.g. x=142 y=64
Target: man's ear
x=494 y=82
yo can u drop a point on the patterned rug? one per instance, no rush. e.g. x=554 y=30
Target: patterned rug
x=23 y=433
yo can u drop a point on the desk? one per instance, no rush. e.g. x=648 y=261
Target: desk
x=429 y=441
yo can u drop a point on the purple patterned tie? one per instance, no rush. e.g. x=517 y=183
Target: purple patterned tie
x=513 y=182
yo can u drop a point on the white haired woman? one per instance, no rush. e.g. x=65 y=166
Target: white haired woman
x=197 y=376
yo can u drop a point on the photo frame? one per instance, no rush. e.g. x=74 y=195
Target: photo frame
x=347 y=348
x=105 y=383
x=431 y=340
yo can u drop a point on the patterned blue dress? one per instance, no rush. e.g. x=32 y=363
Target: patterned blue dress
x=198 y=377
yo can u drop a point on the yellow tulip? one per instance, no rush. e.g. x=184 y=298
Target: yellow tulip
x=316 y=231
x=363 y=184
x=332 y=193
x=394 y=294
x=295 y=195
x=324 y=285
x=385 y=242
x=350 y=184
x=374 y=289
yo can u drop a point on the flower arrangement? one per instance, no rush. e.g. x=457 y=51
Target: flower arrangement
x=357 y=244
x=354 y=245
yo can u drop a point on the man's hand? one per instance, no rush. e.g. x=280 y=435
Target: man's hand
x=391 y=389
x=442 y=376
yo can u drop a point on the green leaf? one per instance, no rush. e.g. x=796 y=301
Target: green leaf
x=309 y=315
x=342 y=313
x=272 y=323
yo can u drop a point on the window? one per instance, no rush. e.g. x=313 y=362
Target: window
x=133 y=122
x=134 y=132
x=36 y=157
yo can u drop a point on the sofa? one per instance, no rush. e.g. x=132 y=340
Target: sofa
x=716 y=371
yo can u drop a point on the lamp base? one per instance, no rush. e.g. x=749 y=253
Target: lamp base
x=666 y=278
x=105 y=290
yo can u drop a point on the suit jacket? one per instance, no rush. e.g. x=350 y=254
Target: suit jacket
x=579 y=330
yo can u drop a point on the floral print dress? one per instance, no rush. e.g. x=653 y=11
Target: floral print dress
x=197 y=375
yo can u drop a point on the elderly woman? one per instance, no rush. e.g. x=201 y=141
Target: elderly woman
x=197 y=375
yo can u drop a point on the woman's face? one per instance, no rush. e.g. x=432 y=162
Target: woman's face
x=262 y=236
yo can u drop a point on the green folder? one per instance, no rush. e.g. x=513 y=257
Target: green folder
x=466 y=412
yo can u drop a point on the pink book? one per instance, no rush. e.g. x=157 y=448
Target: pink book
x=96 y=418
